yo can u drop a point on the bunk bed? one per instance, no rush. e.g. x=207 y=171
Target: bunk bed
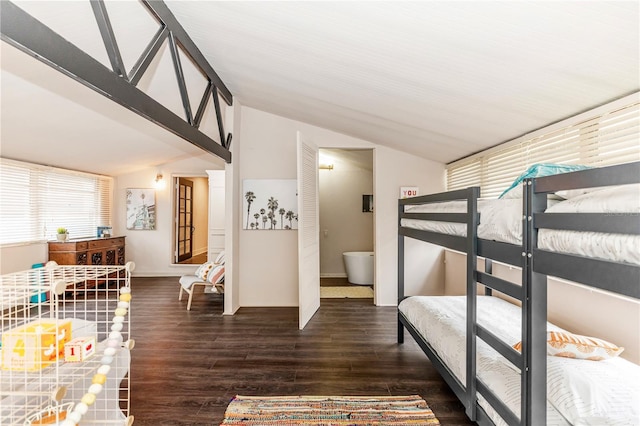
x=471 y=339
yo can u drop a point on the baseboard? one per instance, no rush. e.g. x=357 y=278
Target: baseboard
x=330 y=275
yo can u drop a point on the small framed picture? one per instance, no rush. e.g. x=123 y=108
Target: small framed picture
x=141 y=209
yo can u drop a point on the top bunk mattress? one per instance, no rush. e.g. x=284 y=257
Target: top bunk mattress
x=501 y=220
x=579 y=392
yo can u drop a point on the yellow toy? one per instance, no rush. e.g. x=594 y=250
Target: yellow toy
x=35 y=345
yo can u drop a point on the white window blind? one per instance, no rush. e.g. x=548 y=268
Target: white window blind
x=36 y=200
x=605 y=136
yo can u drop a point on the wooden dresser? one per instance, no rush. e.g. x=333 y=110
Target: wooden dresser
x=90 y=251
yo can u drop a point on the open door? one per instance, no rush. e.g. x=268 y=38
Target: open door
x=184 y=219
x=308 y=232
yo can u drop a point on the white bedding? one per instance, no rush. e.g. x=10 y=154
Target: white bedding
x=579 y=392
x=501 y=220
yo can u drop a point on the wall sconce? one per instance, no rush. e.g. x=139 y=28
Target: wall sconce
x=159 y=182
x=325 y=166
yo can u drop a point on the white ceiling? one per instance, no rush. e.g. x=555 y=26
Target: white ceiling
x=439 y=79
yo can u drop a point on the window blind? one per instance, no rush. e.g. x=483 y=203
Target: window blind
x=36 y=200
x=604 y=136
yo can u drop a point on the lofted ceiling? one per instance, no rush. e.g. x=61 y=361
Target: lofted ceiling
x=438 y=79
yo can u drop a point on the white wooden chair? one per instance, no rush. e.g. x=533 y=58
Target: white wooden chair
x=188 y=284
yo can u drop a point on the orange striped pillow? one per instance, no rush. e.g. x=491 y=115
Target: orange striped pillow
x=568 y=345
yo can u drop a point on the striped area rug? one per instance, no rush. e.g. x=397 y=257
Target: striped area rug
x=329 y=411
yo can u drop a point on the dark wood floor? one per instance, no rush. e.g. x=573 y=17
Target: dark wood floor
x=187 y=366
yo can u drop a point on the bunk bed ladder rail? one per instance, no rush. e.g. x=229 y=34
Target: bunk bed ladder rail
x=534 y=316
x=472 y=293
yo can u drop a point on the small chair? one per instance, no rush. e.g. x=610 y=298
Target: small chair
x=209 y=274
x=188 y=284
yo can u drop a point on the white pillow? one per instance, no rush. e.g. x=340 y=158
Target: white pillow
x=614 y=199
x=594 y=393
x=203 y=270
x=219 y=259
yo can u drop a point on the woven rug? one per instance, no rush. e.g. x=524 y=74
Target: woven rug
x=329 y=411
x=341 y=292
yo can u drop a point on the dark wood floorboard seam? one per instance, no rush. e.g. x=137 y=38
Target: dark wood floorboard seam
x=188 y=365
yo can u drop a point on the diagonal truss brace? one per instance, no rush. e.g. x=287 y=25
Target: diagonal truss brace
x=24 y=32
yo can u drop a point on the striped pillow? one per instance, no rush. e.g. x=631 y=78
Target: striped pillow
x=216 y=275
x=568 y=345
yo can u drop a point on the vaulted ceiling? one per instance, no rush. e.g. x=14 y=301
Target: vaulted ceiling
x=439 y=79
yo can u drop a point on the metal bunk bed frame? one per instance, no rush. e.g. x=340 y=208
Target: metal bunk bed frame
x=536 y=264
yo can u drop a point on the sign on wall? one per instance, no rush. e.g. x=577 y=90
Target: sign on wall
x=270 y=204
x=408 y=191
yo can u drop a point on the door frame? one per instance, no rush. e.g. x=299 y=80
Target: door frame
x=174 y=237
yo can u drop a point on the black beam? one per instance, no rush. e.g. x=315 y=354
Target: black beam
x=216 y=104
x=203 y=105
x=26 y=33
x=177 y=66
x=147 y=56
x=163 y=13
x=108 y=37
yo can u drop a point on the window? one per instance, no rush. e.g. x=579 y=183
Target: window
x=604 y=136
x=36 y=200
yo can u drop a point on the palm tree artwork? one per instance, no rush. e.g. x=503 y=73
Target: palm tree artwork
x=289 y=215
x=265 y=199
x=249 y=196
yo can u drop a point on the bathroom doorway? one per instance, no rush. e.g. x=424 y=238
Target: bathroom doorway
x=345 y=181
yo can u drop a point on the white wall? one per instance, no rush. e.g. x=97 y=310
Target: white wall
x=343 y=224
x=233 y=204
x=268 y=260
x=152 y=250
x=393 y=169
x=572 y=306
x=16 y=258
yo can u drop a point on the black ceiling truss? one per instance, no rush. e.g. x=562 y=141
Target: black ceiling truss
x=23 y=31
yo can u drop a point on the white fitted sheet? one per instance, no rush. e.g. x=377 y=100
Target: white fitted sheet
x=501 y=220
x=579 y=392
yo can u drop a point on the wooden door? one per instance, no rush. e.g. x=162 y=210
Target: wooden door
x=184 y=219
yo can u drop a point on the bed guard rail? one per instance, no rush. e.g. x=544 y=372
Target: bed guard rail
x=617 y=277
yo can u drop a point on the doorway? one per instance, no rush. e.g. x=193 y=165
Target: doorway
x=191 y=200
x=346 y=223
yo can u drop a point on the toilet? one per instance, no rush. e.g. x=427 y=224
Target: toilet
x=359 y=266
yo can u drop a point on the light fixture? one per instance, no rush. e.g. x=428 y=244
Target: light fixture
x=325 y=166
x=159 y=181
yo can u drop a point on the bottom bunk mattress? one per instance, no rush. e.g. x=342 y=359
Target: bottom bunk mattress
x=579 y=392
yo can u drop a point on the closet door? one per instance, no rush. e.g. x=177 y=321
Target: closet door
x=308 y=232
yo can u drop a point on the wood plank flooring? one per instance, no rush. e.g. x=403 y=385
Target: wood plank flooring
x=187 y=366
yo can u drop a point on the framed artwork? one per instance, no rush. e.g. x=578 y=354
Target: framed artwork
x=270 y=204
x=141 y=209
